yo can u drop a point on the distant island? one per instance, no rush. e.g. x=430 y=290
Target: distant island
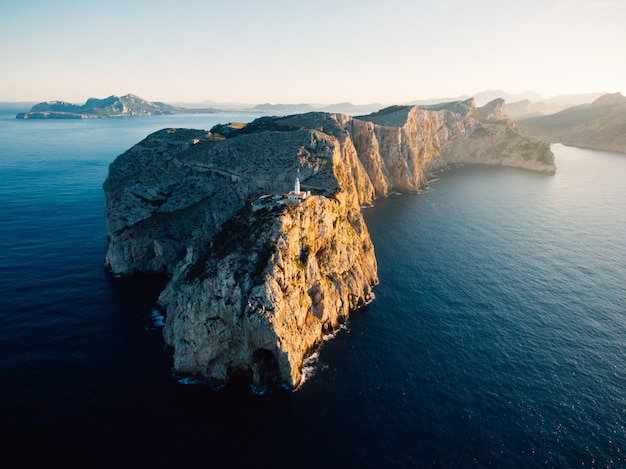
x=113 y=106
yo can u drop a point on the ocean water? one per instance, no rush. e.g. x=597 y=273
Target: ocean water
x=497 y=336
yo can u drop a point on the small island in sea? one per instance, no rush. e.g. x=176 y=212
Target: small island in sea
x=113 y=106
x=252 y=290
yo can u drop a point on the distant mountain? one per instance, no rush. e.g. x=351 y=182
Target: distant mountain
x=435 y=101
x=526 y=108
x=215 y=105
x=520 y=105
x=283 y=108
x=352 y=109
x=600 y=125
x=485 y=97
x=341 y=108
x=113 y=106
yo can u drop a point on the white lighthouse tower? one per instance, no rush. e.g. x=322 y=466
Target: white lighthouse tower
x=297 y=195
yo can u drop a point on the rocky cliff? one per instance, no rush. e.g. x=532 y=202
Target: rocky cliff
x=253 y=289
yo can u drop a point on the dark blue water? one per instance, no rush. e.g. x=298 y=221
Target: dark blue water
x=497 y=337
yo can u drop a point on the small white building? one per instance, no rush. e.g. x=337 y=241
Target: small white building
x=297 y=195
x=293 y=197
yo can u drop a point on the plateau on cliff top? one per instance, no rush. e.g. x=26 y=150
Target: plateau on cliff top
x=253 y=292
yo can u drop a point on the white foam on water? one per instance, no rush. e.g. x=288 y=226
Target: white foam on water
x=331 y=335
x=309 y=367
x=189 y=381
x=157 y=318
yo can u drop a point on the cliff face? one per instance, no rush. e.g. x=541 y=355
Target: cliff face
x=254 y=291
x=399 y=146
x=261 y=305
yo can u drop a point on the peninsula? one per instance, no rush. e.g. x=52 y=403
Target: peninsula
x=253 y=290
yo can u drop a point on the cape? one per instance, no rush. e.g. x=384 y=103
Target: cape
x=259 y=227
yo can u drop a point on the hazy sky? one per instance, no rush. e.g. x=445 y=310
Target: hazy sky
x=321 y=51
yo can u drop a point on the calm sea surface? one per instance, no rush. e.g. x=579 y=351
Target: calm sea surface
x=497 y=337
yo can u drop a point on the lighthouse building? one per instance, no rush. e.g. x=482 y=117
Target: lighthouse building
x=297 y=195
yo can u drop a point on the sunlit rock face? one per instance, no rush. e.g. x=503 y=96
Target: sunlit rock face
x=255 y=287
x=401 y=145
x=291 y=275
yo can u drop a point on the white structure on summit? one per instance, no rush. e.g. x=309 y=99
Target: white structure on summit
x=296 y=195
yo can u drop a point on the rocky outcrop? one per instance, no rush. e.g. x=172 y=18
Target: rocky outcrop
x=254 y=291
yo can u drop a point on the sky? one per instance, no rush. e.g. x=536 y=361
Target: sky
x=323 y=51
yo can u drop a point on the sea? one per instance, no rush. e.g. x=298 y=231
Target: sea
x=497 y=337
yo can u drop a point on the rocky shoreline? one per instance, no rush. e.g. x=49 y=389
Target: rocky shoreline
x=253 y=292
